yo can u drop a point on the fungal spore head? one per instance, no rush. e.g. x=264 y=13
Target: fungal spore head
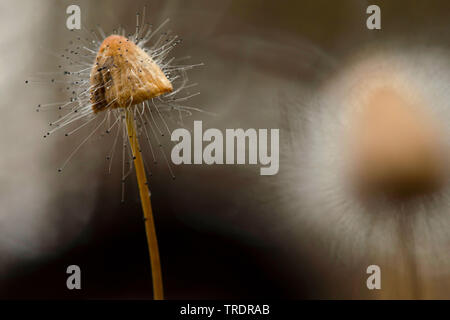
x=124 y=75
x=397 y=148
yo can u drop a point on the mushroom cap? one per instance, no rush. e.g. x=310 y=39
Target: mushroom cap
x=397 y=148
x=124 y=75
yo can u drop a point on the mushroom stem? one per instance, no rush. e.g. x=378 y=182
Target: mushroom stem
x=146 y=208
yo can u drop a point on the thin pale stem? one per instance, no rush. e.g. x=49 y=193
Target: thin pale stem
x=146 y=208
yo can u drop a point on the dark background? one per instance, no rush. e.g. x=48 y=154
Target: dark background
x=221 y=232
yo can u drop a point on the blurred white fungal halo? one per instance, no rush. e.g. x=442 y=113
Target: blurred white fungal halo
x=352 y=229
x=32 y=226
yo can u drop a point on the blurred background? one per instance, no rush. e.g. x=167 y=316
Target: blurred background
x=222 y=230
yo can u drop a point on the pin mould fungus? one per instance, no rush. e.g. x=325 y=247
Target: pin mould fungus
x=124 y=85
